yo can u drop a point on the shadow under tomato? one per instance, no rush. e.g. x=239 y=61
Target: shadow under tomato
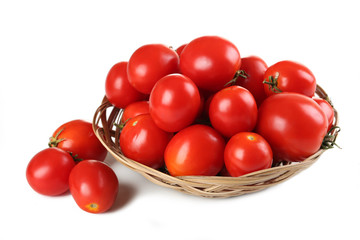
x=125 y=194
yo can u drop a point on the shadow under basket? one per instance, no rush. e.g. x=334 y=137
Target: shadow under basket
x=106 y=116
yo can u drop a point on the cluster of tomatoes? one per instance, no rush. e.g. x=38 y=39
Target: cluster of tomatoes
x=203 y=110
x=74 y=160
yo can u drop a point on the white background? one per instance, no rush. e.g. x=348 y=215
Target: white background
x=54 y=57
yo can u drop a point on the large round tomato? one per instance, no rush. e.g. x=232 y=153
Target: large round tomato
x=149 y=63
x=289 y=76
x=293 y=124
x=195 y=150
x=48 y=171
x=255 y=154
x=232 y=110
x=78 y=138
x=210 y=61
x=141 y=140
x=328 y=110
x=135 y=109
x=252 y=78
x=174 y=102
x=94 y=186
x=118 y=90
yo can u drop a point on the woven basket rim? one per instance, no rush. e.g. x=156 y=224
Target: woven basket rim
x=205 y=186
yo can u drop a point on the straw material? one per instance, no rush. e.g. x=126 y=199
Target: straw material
x=205 y=186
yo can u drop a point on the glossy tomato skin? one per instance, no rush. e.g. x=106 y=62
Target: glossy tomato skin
x=293 y=124
x=141 y=140
x=328 y=110
x=118 y=90
x=256 y=154
x=78 y=138
x=174 y=102
x=232 y=110
x=290 y=76
x=254 y=68
x=195 y=150
x=94 y=186
x=48 y=171
x=210 y=61
x=180 y=49
x=135 y=109
x=149 y=63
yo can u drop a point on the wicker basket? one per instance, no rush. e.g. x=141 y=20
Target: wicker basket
x=213 y=186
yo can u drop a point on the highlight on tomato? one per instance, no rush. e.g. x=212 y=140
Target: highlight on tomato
x=134 y=109
x=78 y=138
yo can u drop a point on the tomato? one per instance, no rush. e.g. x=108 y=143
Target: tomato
x=289 y=76
x=247 y=152
x=195 y=150
x=180 y=49
x=94 y=186
x=174 y=102
x=210 y=61
x=252 y=77
x=135 y=109
x=149 y=63
x=328 y=110
x=232 y=110
x=141 y=140
x=48 y=171
x=78 y=138
x=118 y=90
x=293 y=124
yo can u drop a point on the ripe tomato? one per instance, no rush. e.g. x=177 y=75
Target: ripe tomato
x=135 y=109
x=293 y=124
x=48 y=171
x=94 y=186
x=254 y=68
x=288 y=76
x=232 y=110
x=141 y=140
x=180 y=49
x=78 y=138
x=255 y=154
x=328 y=110
x=149 y=63
x=174 y=102
x=118 y=90
x=210 y=61
x=195 y=150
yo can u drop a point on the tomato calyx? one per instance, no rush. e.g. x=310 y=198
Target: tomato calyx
x=239 y=73
x=329 y=140
x=273 y=83
x=54 y=141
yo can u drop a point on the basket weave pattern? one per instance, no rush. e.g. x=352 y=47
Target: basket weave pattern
x=205 y=186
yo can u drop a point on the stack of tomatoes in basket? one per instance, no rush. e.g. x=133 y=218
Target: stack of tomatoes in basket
x=203 y=110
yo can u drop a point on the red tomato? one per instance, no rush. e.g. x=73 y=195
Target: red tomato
x=135 y=109
x=149 y=63
x=141 y=140
x=195 y=150
x=180 y=49
x=174 y=102
x=94 y=186
x=210 y=61
x=288 y=76
x=48 y=171
x=247 y=152
x=118 y=90
x=293 y=124
x=254 y=68
x=78 y=138
x=232 y=110
x=328 y=110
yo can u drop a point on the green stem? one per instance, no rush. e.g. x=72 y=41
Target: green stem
x=54 y=141
x=273 y=83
